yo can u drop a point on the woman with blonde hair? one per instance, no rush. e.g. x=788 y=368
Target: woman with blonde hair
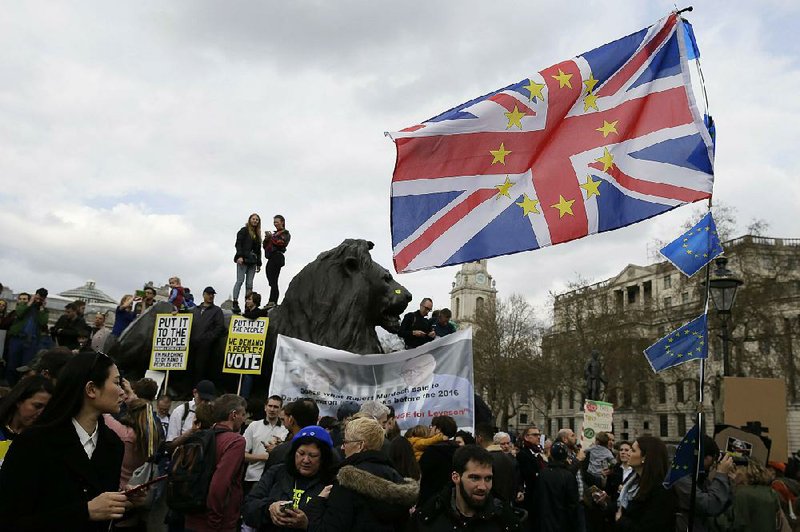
x=247 y=258
x=756 y=505
x=368 y=493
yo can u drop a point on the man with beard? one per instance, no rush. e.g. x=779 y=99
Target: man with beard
x=468 y=503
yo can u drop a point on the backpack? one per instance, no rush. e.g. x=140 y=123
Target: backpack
x=193 y=464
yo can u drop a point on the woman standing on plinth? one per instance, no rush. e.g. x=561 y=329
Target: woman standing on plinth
x=274 y=247
x=247 y=258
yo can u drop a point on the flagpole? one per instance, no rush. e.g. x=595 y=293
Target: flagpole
x=699 y=418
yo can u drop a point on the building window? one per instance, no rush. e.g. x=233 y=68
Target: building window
x=624 y=436
x=571 y=400
x=523 y=419
x=560 y=400
x=523 y=396
x=668 y=281
x=667 y=302
x=458 y=308
x=624 y=423
x=662 y=392
x=619 y=299
x=572 y=424
x=679 y=396
x=643 y=393
x=685 y=297
x=646 y=425
x=627 y=397
x=764 y=346
x=479 y=304
x=663 y=422
x=681 y=424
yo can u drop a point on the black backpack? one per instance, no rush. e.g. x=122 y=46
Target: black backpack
x=192 y=467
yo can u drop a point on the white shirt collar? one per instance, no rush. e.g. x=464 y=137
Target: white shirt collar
x=88 y=441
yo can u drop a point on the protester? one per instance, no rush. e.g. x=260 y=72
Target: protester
x=644 y=502
x=464 y=438
x=392 y=430
x=279 y=499
x=147 y=301
x=466 y=502
x=182 y=417
x=23 y=405
x=175 y=294
x=47 y=363
x=556 y=500
x=532 y=462
x=401 y=454
x=274 y=249
x=261 y=438
x=506 y=481
x=252 y=304
x=69 y=326
x=163 y=406
x=25 y=334
x=420 y=437
x=208 y=326
x=756 y=506
x=247 y=258
x=145 y=388
x=76 y=488
x=713 y=490
x=296 y=415
x=224 y=502
x=437 y=459
x=442 y=326
x=99 y=332
x=369 y=494
x=599 y=460
x=416 y=329
x=123 y=316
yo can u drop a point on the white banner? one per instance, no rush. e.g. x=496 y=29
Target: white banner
x=432 y=380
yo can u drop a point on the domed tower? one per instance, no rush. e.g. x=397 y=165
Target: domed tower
x=472 y=289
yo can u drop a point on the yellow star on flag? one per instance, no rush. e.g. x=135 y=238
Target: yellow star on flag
x=514 y=118
x=590 y=102
x=608 y=127
x=591 y=187
x=563 y=79
x=503 y=189
x=535 y=89
x=607 y=159
x=590 y=83
x=564 y=206
x=528 y=205
x=500 y=154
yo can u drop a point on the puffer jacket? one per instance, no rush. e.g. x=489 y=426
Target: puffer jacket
x=368 y=495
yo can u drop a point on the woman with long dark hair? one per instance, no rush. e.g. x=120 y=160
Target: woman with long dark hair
x=23 y=405
x=63 y=473
x=274 y=248
x=644 y=503
x=247 y=258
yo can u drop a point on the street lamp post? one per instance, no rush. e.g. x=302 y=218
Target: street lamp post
x=723 y=286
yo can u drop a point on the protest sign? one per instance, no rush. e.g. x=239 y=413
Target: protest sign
x=597 y=417
x=435 y=379
x=244 y=350
x=170 y=341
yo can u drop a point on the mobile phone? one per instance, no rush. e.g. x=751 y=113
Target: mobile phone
x=141 y=487
x=140 y=293
x=287 y=506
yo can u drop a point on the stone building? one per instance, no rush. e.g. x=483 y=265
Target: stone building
x=623 y=315
x=472 y=289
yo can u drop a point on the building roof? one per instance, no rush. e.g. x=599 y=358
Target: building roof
x=89 y=293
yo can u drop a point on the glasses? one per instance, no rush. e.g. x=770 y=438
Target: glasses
x=428 y=308
x=351 y=441
x=537 y=434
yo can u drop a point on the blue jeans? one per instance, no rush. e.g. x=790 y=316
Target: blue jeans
x=244 y=274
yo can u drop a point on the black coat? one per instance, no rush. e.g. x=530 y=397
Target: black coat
x=247 y=248
x=276 y=484
x=368 y=495
x=47 y=480
x=414 y=321
x=557 y=503
x=436 y=466
x=439 y=515
x=652 y=513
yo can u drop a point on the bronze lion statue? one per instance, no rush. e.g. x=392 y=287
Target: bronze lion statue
x=336 y=301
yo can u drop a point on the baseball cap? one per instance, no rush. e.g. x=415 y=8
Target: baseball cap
x=209 y=290
x=206 y=390
x=316 y=432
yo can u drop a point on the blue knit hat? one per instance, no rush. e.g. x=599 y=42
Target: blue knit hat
x=316 y=432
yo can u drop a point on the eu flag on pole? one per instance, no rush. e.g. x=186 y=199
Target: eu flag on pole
x=689 y=342
x=591 y=144
x=695 y=248
x=685 y=459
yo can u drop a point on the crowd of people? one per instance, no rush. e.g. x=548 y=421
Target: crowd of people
x=82 y=439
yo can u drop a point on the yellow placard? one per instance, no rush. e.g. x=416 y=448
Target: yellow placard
x=244 y=350
x=171 y=342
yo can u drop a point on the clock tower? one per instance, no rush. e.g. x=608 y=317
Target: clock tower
x=472 y=289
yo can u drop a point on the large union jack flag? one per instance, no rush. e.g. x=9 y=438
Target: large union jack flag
x=592 y=144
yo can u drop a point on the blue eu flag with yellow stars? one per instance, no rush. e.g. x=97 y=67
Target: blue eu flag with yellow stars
x=695 y=248
x=689 y=342
x=685 y=459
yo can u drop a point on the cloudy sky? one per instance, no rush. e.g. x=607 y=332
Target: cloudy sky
x=136 y=137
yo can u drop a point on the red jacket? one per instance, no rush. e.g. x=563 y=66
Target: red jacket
x=225 y=493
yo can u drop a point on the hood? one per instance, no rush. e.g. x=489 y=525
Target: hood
x=378 y=488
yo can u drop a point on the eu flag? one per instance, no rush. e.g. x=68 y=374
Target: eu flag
x=695 y=248
x=684 y=462
x=689 y=342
